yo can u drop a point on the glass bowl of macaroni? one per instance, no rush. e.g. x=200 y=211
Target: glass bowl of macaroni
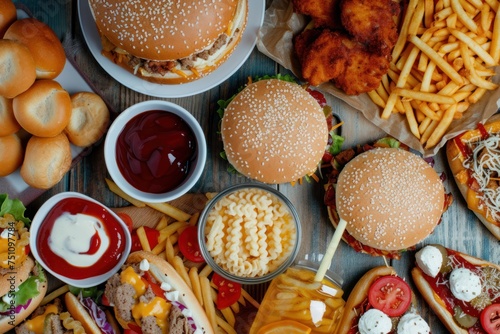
x=249 y=233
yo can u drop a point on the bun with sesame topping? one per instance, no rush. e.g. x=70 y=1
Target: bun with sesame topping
x=274 y=131
x=391 y=198
x=169 y=42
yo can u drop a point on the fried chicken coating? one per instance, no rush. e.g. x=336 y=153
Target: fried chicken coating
x=325 y=13
x=371 y=22
x=335 y=56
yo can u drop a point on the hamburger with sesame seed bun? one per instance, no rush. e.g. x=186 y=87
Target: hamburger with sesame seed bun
x=390 y=198
x=274 y=131
x=169 y=42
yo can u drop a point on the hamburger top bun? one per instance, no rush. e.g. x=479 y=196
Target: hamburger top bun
x=11 y=154
x=390 y=198
x=19 y=65
x=43 y=43
x=46 y=161
x=165 y=30
x=44 y=109
x=8 y=15
x=22 y=273
x=7 y=119
x=274 y=131
x=89 y=119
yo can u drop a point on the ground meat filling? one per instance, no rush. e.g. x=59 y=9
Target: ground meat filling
x=52 y=323
x=121 y=296
x=163 y=67
x=178 y=323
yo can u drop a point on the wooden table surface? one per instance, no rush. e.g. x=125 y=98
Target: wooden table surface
x=460 y=229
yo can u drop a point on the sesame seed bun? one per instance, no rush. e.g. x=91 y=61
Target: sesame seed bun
x=45 y=47
x=177 y=36
x=274 y=131
x=391 y=198
x=19 y=65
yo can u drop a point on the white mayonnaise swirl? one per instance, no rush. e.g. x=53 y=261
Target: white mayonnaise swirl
x=430 y=260
x=71 y=238
x=465 y=284
x=374 y=321
x=412 y=323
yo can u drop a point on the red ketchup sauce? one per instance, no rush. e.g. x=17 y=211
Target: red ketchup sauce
x=112 y=228
x=154 y=151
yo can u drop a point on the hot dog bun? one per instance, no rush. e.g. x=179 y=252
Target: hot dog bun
x=44 y=109
x=162 y=271
x=18 y=59
x=89 y=119
x=456 y=160
x=359 y=294
x=79 y=313
x=46 y=161
x=45 y=47
x=11 y=154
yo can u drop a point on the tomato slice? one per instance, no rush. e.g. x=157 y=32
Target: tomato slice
x=157 y=290
x=320 y=97
x=152 y=235
x=130 y=331
x=391 y=295
x=188 y=244
x=228 y=292
x=127 y=220
x=490 y=319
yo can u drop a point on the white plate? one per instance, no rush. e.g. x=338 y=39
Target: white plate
x=13 y=184
x=256 y=9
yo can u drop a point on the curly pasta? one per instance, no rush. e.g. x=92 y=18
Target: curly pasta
x=250 y=232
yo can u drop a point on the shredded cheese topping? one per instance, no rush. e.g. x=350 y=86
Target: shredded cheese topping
x=485 y=165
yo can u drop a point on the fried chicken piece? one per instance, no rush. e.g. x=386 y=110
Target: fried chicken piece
x=335 y=56
x=325 y=13
x=303 y=41
x=371 y=22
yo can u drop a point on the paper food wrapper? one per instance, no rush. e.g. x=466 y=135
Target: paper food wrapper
x=275 y=40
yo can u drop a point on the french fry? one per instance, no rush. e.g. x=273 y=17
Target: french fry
x=443 y=124
x=115 y=189
x=194 y=218
x=207 y=270
x=143 y=239
x=250 y=299
x=208 y=302
x=495 y=38
x=162 y=223
x=225 y=326
x=178 y=264
x=463 y=17
x=170 y=211
x=169 y=251
x=195 y=284
x=424 y=96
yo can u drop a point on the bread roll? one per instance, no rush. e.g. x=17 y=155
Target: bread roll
x=89 y=119
x=7 y=119
x=18 y=68
x=8 y=15
x=11 y=154
x=44 y=109
x=46 y=161
x=43 y=43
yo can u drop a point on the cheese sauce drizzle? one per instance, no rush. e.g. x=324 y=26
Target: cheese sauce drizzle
x=484 y=163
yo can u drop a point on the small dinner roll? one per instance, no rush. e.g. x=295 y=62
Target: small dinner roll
x=11 y=154
x=18 y=68
x=89 y=119
x=9 y=124
x=8 y=15
x=43 y=43
x=46 y=160
x=44 y=109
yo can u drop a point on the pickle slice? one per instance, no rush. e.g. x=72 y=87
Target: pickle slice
x=463 y=319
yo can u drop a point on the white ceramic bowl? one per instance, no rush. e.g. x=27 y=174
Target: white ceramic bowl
x=85 y=277
x=195 y=169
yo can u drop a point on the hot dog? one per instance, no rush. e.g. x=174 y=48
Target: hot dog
x=463 y=291
x=380 y=300
x=473 y=158
x=147 y=282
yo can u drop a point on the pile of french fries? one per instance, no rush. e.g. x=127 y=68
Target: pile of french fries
x=196 y=276
x=441 y=64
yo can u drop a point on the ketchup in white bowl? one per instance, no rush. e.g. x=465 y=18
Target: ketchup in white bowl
x=79 y=240
x=155 y=151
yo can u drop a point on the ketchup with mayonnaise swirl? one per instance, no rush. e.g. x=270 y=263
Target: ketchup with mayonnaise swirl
x=79 y=239
x=154 y=151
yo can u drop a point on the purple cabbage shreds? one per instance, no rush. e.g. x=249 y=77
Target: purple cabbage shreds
x=18 y=308
x=442 y=176
x=430 y=161
x=189 y=319
x=97 y=314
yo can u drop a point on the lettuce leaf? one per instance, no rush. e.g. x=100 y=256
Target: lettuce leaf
x=13 y=206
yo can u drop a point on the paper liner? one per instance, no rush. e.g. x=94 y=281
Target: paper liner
x=276 y=41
